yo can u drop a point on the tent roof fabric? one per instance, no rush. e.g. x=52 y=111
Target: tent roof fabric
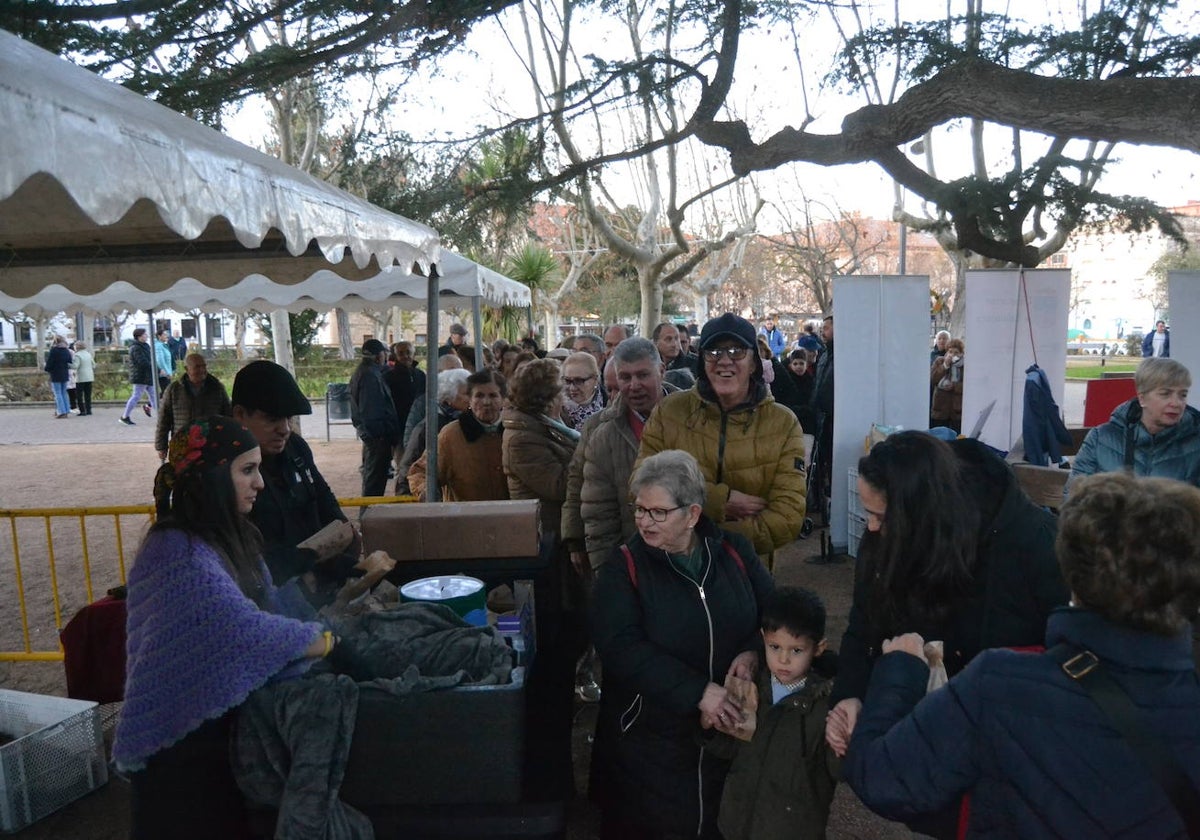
x=460 y=281
x=99 y=185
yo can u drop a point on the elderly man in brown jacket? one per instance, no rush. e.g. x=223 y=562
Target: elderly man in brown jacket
x=196 y=394
x=596 y=516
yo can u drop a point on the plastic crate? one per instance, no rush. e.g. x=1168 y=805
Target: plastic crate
x=855 y=508
x=57 y=755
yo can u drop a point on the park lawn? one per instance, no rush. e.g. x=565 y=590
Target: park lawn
x=1095 y=370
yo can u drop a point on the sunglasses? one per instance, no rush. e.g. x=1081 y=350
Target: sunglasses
x=713 y=354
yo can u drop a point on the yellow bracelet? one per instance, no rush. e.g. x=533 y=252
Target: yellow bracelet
x=328 y=634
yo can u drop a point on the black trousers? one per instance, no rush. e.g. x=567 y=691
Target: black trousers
x=376 y=457
x=83 y=394
x=187 y=790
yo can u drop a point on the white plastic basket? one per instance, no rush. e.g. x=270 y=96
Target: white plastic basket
x=57 y=755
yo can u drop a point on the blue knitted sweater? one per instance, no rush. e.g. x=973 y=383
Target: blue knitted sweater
x=196 y=645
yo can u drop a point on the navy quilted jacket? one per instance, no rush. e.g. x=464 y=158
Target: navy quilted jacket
x=1037 y=755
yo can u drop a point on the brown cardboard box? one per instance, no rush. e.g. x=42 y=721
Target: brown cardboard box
x=452 y=530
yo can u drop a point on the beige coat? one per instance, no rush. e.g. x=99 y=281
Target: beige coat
x=596 y=516
x=470 y=464
x=536 y=458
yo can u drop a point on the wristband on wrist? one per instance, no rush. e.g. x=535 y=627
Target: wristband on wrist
x=328 y=635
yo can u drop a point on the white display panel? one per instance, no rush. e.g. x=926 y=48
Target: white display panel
x=881 y=369
x=1183 y=292
x=1004 y=336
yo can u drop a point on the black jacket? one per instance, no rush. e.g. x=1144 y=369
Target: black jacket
x=371 y=407
x=295 y=504
x=58 y=364
x=406 y=385
x=139 y=363
x=661 y=642
x=1017 y=584
x=822 y=395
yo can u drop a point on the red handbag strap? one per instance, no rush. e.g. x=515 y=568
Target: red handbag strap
x=629 y=565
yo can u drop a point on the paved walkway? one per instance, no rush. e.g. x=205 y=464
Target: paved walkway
x=35 y=424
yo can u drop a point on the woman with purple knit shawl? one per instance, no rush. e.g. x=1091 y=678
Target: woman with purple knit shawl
x=204 y=630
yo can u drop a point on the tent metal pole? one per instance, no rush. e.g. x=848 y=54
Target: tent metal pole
x=433 y=488
x=477 y=326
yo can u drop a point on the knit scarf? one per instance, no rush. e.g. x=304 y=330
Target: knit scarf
x=196 y=645
x=567 y=431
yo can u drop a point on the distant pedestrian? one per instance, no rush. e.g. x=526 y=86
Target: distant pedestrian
x=163 y=360
x=58 y=365
x=139 y=376
x=808 y=339
x=776 y=340
x=84 y=366
x=178 y=347
x=71 y=380
x=198 y=394
x=1158 y=343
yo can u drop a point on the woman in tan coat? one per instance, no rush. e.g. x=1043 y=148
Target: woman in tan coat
x=470 y=458
x=537 y=453
x=537 y=446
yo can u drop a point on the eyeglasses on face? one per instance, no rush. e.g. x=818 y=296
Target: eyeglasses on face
x=655 y=514
x=578 y=383
x=713 y=354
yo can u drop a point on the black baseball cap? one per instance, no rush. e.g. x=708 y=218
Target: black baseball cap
x=373 y=347
x=728 y=326
x=266 y=386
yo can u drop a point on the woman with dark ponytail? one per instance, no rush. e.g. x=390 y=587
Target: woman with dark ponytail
x=205 y=628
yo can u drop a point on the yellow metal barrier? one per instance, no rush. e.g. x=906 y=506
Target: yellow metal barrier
x=74 y=590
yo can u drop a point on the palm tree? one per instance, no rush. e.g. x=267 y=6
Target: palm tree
x=536 y=267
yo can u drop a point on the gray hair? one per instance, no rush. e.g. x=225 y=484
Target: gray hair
x=1159 y=372
x=942 y=334
x=636 y=349
x=596 y=341
x=681 y=378
x=450 y=382
x=676 y=472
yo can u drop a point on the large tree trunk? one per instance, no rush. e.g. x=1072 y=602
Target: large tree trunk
x=652 y=300
x=345 y=339
x=958 y=313
x=550 y=322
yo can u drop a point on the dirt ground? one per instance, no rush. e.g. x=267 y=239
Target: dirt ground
x=95 y=475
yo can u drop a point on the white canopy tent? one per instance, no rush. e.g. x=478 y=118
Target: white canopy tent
x=103 y=192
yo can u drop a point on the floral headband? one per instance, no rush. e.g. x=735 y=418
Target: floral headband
x=208 y=443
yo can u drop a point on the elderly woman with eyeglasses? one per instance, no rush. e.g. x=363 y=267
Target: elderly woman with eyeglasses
x=582 y=394
x=750 y=448
x=674 y=611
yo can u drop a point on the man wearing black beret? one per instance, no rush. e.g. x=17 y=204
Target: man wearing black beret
x=305 y=534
